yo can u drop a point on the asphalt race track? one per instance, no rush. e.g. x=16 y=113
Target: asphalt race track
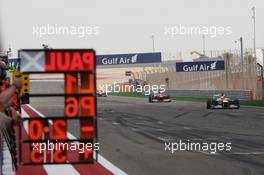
x=133 y=132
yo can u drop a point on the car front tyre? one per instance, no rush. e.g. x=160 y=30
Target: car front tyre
x=150 y=100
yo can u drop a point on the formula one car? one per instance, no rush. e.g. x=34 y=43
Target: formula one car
x=159 y=97
x=101 y=93
x=221 y=101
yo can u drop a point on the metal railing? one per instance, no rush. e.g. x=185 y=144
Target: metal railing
x=8 y=139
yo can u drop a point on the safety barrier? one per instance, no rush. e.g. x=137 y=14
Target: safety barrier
x=240 y=94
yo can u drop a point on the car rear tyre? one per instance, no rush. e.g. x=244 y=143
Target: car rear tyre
x=237 y=103
x=150 y=100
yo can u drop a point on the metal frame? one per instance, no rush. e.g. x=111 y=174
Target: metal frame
x=94 y=118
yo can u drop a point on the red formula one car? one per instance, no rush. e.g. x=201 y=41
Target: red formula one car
x=159 y=97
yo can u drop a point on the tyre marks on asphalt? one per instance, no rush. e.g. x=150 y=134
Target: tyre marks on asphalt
x=247 y=146
x=161 y=131
x=182 y=114
x=207 y=114
x=152 y=128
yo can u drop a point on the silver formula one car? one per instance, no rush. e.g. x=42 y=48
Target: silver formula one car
x=101 y=93
x=223 y=102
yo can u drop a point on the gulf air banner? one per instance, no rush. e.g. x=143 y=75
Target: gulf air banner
x=133 y=58
x=200 y=66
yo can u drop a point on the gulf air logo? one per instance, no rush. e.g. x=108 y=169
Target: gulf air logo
x=213 y=65
x=120 y=60
x=134 y=58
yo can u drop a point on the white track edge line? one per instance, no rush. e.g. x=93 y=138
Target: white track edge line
x=52 y=169
x=111 y=167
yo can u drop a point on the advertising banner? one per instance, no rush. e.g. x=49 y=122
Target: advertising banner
x=134 y=58
x=200 y=66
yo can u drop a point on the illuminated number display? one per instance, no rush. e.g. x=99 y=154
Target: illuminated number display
x=78 y=67
x=73 y=61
